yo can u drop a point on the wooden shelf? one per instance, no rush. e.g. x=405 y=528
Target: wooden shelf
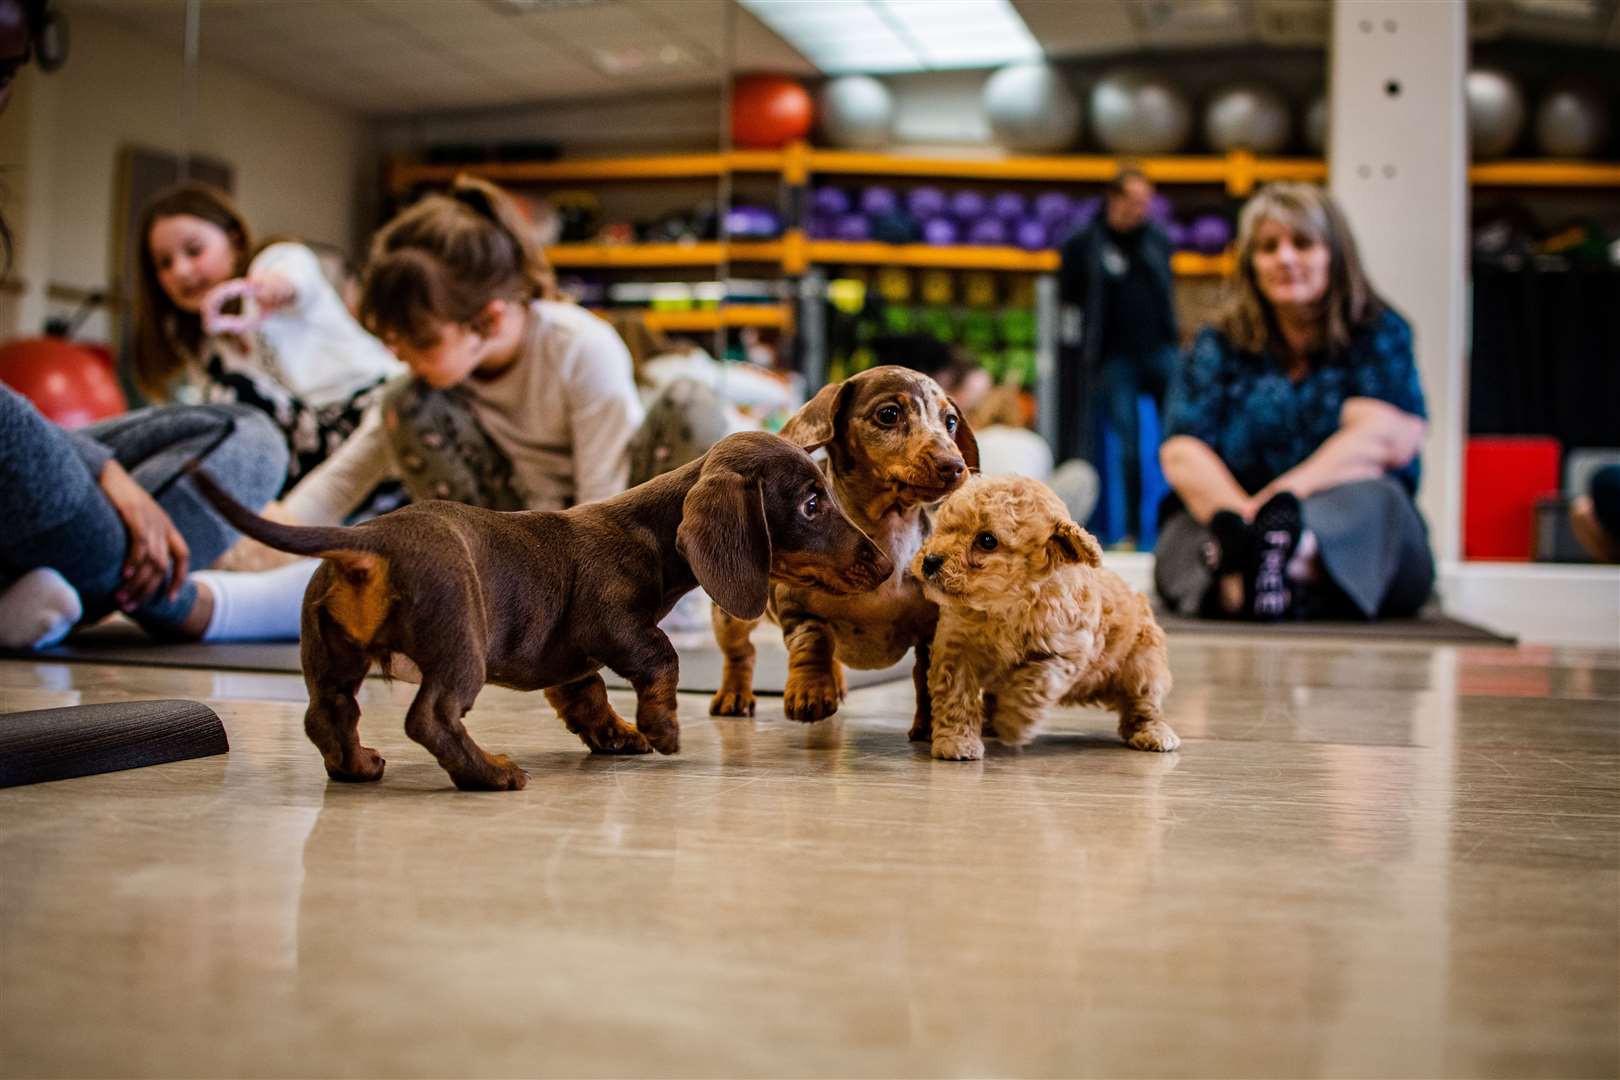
x=762 y=316
x=571 y=256
x=1184 y=263
x=403 y=175
x=1546 y=174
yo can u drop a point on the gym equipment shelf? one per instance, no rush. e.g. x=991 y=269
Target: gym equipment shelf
x=1184 y=263
x=656 y=255
x=1546 y=174
x=402 y=175
x=765 y=316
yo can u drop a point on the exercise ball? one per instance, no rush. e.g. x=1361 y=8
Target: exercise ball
x=856 y=111
x=768 y=111
x=1134 y=112
x=1031 y=108
x=940 y=232
x=830 y=201
x=1316 y=124
x=1246 y=116
x=1571 y=122
x=1495 y=112
x=70 y=384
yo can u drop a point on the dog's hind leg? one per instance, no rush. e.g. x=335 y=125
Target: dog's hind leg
x=736 y=694
x=814 y=682
x=584 y=708
x=434 y=720
x=1021 y=701
x=334 y=668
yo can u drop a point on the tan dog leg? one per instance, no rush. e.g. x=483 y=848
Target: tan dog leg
x=1142 y=683
x=958 y=708
x=736 y=694
x=434 y=720
x=584 y=708
x=815 y=684
x=1021 y=700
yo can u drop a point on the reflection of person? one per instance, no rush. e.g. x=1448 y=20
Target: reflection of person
x=307 y=364
x=1595 y=516
x=1293 y=431
x=1116 y=287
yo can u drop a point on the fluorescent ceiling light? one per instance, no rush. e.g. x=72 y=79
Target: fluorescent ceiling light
x=844 y=37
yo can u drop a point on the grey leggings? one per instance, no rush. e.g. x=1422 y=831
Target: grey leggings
x=55 y=514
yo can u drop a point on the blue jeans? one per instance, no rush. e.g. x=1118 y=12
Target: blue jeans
x=1123 y=379
x=56 y=515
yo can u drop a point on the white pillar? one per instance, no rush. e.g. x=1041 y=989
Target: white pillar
x=1398 y=151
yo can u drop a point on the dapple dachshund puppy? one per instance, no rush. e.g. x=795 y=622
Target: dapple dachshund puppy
x=1029 y=618
x=542 y=600
x=895 y=444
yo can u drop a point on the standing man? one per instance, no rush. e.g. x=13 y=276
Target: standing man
x=1118 y=330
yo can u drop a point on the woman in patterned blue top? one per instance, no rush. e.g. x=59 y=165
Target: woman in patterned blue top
x=1293 y=432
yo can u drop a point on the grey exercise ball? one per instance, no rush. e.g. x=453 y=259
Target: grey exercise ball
x=1134 y=112
x=856 y=111
x=1571 y=122
x=1495 y=112
x=1030 y=107
x=1246 y=116
x=1316 y=124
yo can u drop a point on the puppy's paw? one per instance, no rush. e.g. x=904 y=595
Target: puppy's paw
x=727 y=702
x=503 y=775
x=807 y=700
x=365 y=767
x=1153 y=735
x=665 y=740
x=623 y=739
x=958 y=747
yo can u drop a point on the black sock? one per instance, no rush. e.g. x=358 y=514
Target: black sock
x=1277 y=527
x=1233 y=545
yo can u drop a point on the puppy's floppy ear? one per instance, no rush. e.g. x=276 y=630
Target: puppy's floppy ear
x=1071 y=543
x=724 y=539
x=816 y=423
x=965 y=442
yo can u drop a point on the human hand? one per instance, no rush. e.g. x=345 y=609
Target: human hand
x=273 y=292
x=156 y=548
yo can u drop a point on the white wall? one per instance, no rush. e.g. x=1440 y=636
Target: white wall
x=301 y=166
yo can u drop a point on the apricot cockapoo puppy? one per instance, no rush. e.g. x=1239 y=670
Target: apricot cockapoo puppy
x=1029 y=619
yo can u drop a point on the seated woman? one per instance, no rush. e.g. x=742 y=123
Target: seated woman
x=1292 y=435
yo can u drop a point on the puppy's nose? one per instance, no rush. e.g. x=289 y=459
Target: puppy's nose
x=931 y=564
x=950 y=469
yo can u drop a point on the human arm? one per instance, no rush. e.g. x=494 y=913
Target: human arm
x=1202 y=479
x=156 y=548
x=1194 y=414
x=1374 y=438
x=333 y=489
x=285 y=277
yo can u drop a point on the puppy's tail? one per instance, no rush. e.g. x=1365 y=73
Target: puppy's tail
x=326 y=542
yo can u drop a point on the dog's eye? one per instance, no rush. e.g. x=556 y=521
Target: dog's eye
x=811 y=506
x=986 y=541
x=889 y=414
x=950 y=424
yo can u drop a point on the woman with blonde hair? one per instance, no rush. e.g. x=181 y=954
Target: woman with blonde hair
x=1293 y=433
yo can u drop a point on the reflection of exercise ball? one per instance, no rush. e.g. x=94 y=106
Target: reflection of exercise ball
x=1495 y=112
x=1031 y=108
x=1316 y=124
x=856 y=110
x=1137 y=113
x=768 y=111
x=69 y=383
x=1246 y=117
x=1572 y=122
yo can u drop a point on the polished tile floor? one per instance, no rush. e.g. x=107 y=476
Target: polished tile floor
x=1366 y=860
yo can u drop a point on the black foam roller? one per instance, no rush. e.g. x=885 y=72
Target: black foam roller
x=55 y=744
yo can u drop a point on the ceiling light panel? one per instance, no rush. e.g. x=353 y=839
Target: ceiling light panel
x=890 y=36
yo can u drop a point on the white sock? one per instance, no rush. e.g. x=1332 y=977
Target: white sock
x=1302 y=565
x=259 y=605
x=38 y=609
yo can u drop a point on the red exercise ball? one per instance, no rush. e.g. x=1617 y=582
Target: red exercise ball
x=768 y=111
x=71 y=384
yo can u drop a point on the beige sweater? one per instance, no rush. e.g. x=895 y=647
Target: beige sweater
x=563 y=413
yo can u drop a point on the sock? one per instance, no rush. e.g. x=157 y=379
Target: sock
x=1277 y=527
x=1233 y=541
x=258 y=605
x=38 y=609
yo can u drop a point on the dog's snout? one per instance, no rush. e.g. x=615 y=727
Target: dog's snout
x=879 y=563
x=931 y=564
x=950 y=469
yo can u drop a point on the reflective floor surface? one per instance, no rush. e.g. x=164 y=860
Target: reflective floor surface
x=1364 y=861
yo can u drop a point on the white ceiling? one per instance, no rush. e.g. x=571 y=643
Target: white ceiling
x=396 y=57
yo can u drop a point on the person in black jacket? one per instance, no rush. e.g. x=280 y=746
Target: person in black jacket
x=1118 y=332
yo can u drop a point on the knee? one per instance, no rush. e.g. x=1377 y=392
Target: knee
x=251 y=460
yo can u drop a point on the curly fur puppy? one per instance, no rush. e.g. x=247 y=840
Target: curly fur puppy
x=1029 y=619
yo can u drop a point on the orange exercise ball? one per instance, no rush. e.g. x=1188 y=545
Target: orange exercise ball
x=768 y=111
x=71 y=384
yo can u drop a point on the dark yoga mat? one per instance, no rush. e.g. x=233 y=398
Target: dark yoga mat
x=55 y=744
x=1434 y=629
x=123 y=643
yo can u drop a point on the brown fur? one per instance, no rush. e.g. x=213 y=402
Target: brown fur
x=1032 y=622
x=543 y=600
x=886 y=474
